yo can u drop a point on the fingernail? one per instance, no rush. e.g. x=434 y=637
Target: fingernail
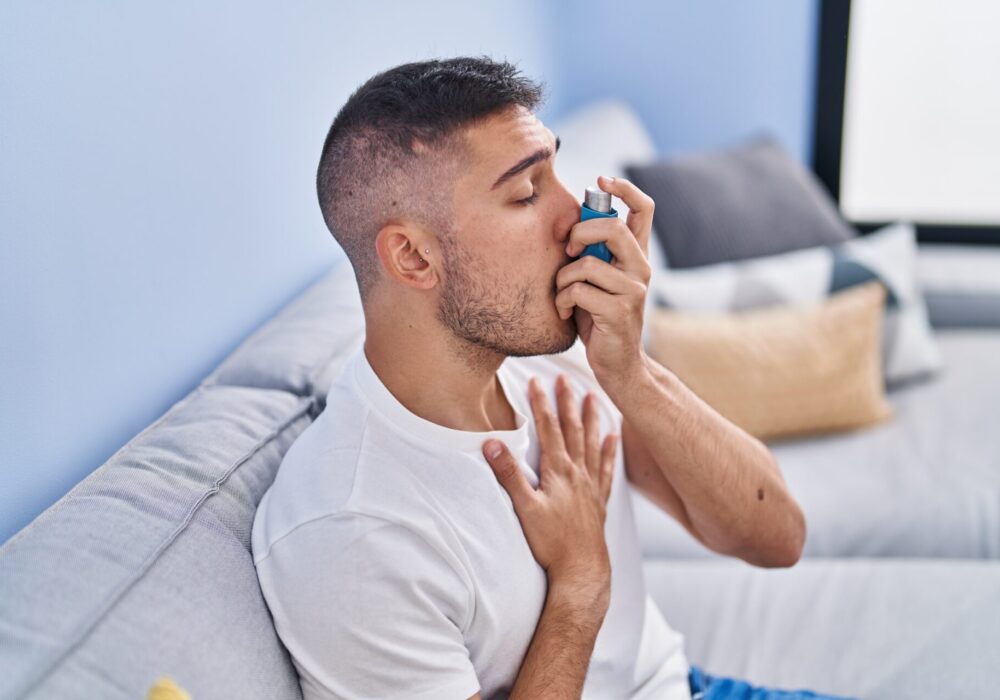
x=608 y=179
x=493 y=448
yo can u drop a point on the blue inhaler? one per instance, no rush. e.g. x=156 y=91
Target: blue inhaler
x=597 y=204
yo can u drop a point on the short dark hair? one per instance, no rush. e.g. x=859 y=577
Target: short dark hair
x=393 y=151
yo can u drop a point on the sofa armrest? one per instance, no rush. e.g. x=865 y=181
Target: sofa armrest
x=961 y=284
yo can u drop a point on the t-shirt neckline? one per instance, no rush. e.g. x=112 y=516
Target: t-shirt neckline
x=384 y=402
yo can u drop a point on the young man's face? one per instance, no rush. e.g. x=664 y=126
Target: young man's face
x=499 y=286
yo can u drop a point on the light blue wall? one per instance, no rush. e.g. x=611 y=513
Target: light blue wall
x=700 y=73
x=157 y=164
x=157 y=200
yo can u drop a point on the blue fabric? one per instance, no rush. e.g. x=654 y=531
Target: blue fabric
x=708 y=687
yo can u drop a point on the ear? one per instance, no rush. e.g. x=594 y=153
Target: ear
x=400 y=248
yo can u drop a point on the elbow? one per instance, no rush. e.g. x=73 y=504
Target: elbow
x=785 y=550
x=794 y=540
x=791 y=540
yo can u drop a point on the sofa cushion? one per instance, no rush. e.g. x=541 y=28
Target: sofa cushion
x=741 y=202
x=889 y=255
x=302 y=347
x=144 y=568
x=783 y=371
x=926 y=484
x=961 y=284
x=868 y=628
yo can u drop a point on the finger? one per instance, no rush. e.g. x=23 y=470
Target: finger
x=592 y=428
x=614 y=232
x=569 y=419
x=612 y=308
x=640 y=206
x=508 y=473
x=547 y=425
x=608 y=464
x=600 y=274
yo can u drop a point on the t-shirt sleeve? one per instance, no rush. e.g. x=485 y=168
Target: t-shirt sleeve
x=369 y=609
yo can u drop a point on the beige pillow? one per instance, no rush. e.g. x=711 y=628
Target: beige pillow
x=782 y=370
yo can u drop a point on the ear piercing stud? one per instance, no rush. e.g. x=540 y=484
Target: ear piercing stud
x=426 y=251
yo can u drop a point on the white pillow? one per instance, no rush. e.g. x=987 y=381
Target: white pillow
x=809 y=275
x=600 y=139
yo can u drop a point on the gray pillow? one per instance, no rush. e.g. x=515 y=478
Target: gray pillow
x=743 y=202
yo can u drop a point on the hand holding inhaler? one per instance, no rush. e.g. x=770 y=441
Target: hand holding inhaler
x=604 y=288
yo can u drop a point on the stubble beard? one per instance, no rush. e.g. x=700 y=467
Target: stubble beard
x=489 y=316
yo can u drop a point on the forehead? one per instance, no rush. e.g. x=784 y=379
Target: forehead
x=503 y=139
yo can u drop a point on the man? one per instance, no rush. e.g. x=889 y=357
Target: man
x=398 y=557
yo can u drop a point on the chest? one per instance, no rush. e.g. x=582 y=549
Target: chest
x=511 y=588
x=510 y=592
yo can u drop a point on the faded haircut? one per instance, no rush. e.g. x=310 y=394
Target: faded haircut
x=396 y=147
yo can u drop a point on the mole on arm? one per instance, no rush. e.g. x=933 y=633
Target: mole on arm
x=760 y=494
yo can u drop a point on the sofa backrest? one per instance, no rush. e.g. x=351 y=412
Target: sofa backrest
x=301 y=349
x=144 y=569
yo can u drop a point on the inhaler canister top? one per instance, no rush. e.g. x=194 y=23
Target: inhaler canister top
x=597 y=199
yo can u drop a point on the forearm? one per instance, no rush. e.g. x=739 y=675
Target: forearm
x=556 y=662
x=728 y=480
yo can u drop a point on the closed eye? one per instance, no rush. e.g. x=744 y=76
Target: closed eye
x=528 y=200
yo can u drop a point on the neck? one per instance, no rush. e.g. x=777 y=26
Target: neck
x=443 y=382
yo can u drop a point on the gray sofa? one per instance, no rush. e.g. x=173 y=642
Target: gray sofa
x=144 y=570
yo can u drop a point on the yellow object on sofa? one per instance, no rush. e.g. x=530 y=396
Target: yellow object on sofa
x=783 y=371
x=165 y=689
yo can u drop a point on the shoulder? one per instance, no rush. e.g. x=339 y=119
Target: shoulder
x=381 y=596
x=365 y=557
x=352 y=537
x=316 y=477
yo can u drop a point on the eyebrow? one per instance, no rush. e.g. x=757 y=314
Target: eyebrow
x=539 y=155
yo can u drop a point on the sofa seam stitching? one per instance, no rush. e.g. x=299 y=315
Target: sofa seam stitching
x=84 y=629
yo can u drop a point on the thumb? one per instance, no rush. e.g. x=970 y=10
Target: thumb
x=507 y=472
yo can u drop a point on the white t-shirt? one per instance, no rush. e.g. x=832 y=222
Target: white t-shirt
x=394 y=565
